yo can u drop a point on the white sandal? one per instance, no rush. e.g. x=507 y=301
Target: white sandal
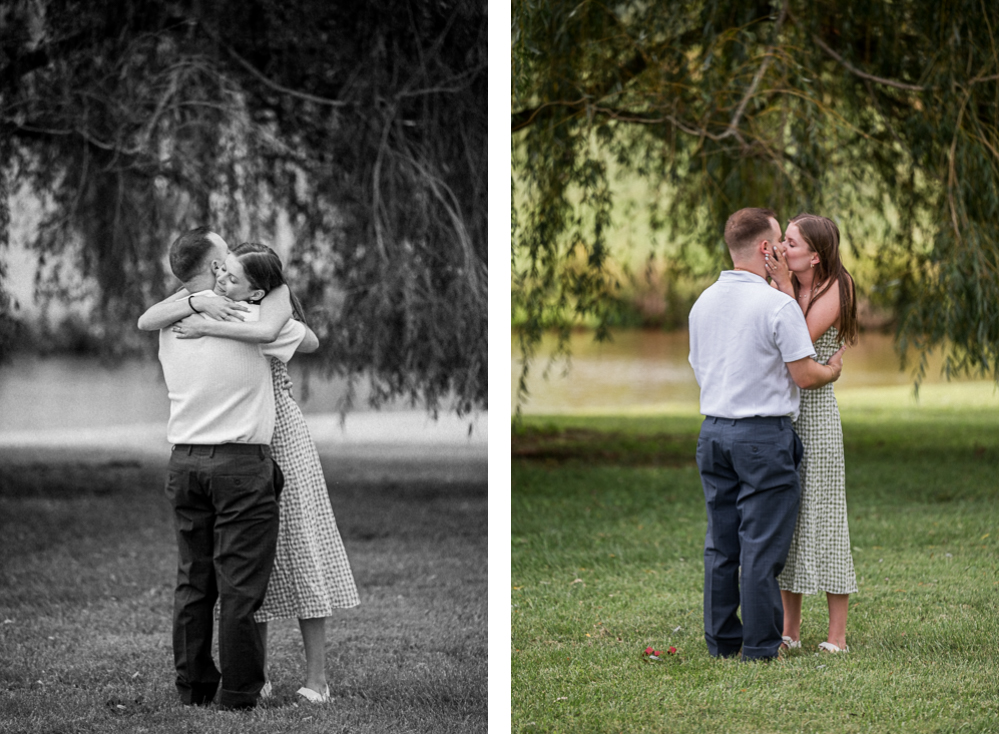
x=790 y=643
x=830 y=647
x=312 y=696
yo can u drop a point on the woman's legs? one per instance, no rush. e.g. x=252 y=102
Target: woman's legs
x=793 y=614
x=314 y=640
x=837 y=604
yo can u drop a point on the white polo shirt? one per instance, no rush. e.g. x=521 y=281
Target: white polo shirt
x=220 y=389
x=742 y=332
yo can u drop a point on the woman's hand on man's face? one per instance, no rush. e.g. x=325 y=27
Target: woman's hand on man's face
x=777 y=267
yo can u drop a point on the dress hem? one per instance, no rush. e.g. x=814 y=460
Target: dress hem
x=270 y=617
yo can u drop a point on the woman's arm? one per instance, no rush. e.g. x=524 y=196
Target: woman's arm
x=170 y=309
x=176 y=307
x=275 y=310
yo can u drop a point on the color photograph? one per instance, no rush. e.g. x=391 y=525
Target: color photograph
x=753 y=367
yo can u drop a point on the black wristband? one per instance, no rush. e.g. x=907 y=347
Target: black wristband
x=191 y=304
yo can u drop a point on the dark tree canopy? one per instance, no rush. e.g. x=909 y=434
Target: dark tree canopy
x=881 y=115
x=363 y=124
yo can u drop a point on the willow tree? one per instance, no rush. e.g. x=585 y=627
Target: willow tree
x=883 y=115
x=359 y=127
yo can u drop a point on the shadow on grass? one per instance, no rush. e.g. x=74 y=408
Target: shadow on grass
x=556 y=445
x=87 y=562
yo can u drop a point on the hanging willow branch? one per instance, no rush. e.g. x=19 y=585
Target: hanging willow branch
x=362 y=126
x=792 y=105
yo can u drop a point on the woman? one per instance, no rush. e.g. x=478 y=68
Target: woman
x=311 y=575
x=808 y=268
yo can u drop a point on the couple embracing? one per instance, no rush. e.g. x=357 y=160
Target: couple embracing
x=770 y=451
x=255 y=529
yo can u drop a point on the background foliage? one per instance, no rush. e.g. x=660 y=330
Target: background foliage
x=358 y=127
x=881 y=115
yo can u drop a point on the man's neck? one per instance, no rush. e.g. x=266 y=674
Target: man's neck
x=196 y=285
x=749 y=268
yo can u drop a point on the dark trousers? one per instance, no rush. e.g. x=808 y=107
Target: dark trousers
x=226 y=515
x=749 y=471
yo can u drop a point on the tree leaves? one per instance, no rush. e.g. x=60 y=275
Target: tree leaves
x=360 y=126
x=883 y=116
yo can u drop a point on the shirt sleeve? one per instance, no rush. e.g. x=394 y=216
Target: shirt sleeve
x=289 y=338
x=791 y=333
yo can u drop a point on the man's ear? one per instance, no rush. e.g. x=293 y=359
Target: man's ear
x=256 y=295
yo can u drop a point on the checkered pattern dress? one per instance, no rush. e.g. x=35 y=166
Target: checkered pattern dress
x=311 y=576
x=820 y=556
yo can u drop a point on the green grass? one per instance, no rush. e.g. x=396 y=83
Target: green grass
x=607 y=529
x=87 y=562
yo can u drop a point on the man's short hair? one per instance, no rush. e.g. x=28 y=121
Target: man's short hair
x=745 y=228
x=187 y=253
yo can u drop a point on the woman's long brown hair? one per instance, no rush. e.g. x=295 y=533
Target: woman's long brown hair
x=822 y=237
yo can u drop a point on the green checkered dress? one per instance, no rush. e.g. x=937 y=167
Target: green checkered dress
x=820 y=556
x=311 y=576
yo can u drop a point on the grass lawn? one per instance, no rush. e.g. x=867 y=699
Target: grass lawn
x=87 y=564
x=607 y=532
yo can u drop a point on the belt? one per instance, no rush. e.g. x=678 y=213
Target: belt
x=211 y=449
x=754 y=420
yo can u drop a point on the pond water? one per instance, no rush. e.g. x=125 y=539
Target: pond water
x=636 y=368
x=647 y=368
x=80 y=392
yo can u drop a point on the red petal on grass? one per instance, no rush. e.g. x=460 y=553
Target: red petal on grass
x=672 y=650
x=657 y=653
x=648 y=650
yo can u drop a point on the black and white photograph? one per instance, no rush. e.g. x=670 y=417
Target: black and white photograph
x=243 y=366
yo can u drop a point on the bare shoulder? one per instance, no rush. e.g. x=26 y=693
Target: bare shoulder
x=824 y=312
x=831 y=297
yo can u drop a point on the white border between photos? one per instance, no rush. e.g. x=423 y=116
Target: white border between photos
x=498 y=137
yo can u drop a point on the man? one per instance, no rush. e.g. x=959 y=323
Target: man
x=222 y=482
x=751 y=353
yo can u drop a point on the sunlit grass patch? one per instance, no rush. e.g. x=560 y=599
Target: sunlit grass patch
x=977 y=394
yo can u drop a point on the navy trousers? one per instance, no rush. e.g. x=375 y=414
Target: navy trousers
x=226 y=514
x=749 y=471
